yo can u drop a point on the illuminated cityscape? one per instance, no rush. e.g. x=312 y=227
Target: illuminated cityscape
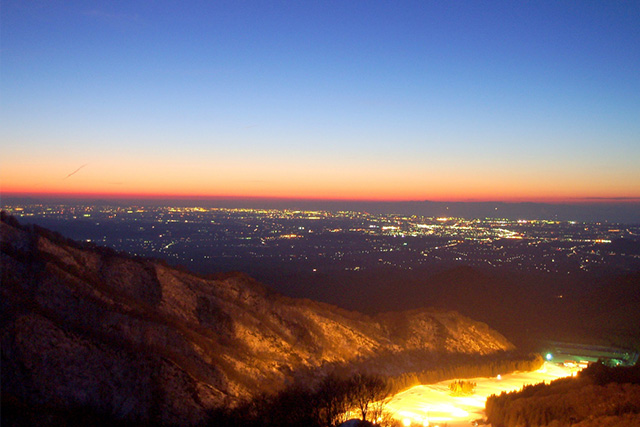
x=216 y=239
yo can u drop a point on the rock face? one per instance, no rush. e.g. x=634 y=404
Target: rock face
x=84 y=326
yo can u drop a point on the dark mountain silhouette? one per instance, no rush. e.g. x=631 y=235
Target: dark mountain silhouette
x=135 y=339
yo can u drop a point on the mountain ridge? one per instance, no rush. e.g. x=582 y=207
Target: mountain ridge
x=138 y=339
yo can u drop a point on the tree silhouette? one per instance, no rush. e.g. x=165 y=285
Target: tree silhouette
x=369 y=394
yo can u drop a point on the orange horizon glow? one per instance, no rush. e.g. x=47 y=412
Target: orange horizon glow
x=115 y=178
x=178 y=175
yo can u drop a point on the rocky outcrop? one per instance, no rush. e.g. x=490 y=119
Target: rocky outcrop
x=84 y=326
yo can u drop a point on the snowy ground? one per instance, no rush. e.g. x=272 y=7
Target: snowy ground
x=433 y=405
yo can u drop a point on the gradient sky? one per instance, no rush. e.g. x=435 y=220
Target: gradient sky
x=448 y=100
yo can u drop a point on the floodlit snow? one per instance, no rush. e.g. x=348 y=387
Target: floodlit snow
x=433 y=405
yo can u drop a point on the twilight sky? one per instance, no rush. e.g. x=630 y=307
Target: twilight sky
x=447 y=100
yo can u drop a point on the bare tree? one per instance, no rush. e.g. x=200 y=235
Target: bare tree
x=369 y=394
x=333 y=400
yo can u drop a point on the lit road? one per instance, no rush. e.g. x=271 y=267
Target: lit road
x=433 y=405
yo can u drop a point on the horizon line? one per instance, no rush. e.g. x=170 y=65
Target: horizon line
x=198 y=197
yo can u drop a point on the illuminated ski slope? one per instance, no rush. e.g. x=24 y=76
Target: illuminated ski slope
x=432 y=404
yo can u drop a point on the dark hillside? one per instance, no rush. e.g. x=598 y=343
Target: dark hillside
x=526 y=307
x=92 y=331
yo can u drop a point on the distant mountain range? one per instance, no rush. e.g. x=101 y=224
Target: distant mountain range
x=87 y=327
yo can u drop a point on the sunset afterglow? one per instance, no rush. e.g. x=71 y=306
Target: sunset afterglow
x=361 y=101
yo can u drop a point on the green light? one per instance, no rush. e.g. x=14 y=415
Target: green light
x=549 y=356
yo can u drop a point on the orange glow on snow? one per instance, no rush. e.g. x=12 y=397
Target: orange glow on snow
x=433 y=405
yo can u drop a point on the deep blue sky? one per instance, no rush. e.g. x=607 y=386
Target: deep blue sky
x=364 y=100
